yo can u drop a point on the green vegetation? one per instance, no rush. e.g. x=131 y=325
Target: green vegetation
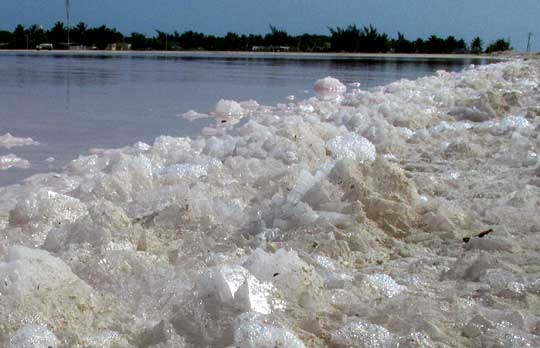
x=349 y=39
x=476 y=45
x=498 y=46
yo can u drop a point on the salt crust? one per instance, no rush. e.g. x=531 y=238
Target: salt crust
x=346 y=220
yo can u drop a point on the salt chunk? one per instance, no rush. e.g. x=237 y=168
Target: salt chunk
x=8 y=141
x=9 y=161
x=129 y=176
x=450 y=126
x=264 y=265
x=479 y=267
x=515 y=339
x=325 y=262
x=220 y=147
x=469 y=113
x=34 y=336
x=228 y=280
x=390 y=157
x=161 y=335
x=192 y=115
x=27 y=268
x=48 y=208
x=490 y=243
x=477 y=326
x=285 y=270
x=234 y=285
x=168 y=150
x=359 y=334
x=385 y=284
x=534 y=286
x=303 y=183
x=329 y=88
x=254 y=295
x=514 y=122
x=506 y=284
x=212 y=131
x=415 y=340
x=105 y=339
x=352 y=146
x=141 y=146
x=506 y=124
x=228 y=108
x=225 y=121
x=185 y=169
x=307 y=108
x=85 y=165
x=254 y=330
x=249 y=104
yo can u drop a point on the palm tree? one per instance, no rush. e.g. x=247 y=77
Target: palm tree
x=476 y=45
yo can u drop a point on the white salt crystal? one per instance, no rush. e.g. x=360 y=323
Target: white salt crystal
x=34 y=336
x=352 y=146
x=8 y=141
x=329 y=88
x=9 y=161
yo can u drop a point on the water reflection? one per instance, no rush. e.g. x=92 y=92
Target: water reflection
x=72 y=103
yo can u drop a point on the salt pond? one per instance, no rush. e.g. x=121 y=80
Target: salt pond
x=72 y=102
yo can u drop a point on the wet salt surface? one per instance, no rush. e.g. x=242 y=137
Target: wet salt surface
x=72 y=103
x=356 y=219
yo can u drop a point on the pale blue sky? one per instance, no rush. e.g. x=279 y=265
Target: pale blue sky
x=489 y=19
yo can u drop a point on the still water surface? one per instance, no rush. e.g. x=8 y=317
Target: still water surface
x=70 y=103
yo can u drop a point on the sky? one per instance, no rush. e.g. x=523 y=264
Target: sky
x=489 y=19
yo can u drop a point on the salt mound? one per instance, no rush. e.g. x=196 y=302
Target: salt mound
x=401 y=216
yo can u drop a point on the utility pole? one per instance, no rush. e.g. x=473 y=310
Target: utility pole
x=67 y=17
x=529 y=43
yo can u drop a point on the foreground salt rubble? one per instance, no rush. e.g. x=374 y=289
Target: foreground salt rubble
x=331 y=222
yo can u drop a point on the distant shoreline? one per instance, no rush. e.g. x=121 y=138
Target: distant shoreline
x=269 y=55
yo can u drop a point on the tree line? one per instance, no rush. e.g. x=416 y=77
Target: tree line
x=348 y=39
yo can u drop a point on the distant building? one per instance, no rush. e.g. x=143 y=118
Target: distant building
x=72 y=46
x=119 y=46
x=44 y=46
x=271 y=48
